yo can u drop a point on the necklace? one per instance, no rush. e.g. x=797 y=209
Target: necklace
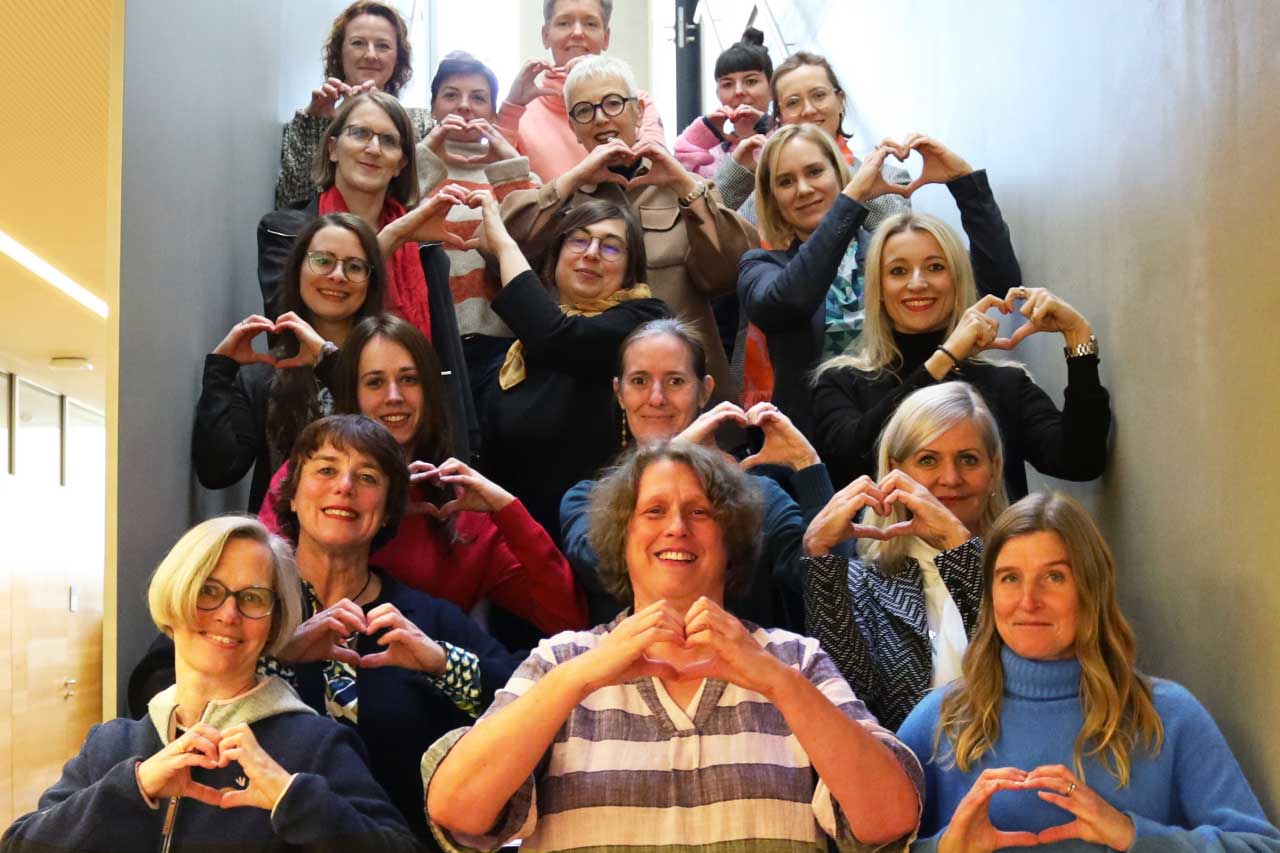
x=368 y=576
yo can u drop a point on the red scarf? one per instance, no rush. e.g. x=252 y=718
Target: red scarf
x=406 y=283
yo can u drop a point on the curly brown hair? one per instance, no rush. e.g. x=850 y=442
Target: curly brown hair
x=332 y=51
x=734 y=499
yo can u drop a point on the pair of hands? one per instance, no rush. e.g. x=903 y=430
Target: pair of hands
x=238 y=344
x=427 y=223
x=168 y=772
x=456 y=128
x=324 y=100
x=941 y=165
x=472 y=491
x=978 y=330
x=664 y=169
x=743 y=118
x=324 y=637
x=930 y=520
x=1096 y=821
x=783 y=443
x=705 y=642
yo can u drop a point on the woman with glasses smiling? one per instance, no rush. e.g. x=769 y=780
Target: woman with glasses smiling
x=226 y=759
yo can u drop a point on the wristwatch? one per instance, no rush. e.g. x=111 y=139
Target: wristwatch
x=698 y=191
x=1090 y=347
x=329 y=348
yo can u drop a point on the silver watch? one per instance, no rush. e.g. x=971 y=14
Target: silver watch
x=1090 y=347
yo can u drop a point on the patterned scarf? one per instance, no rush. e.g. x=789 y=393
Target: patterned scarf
x=513 y=368
x=844 y=310
x=341 y=701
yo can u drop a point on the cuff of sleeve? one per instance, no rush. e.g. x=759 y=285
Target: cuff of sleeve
x=972 y=185
x=507 y=171
x=511 y=109
x=283 y=793
x=151 y=804
x=734 y=180
x=548 y=197
x=813 y=486
x=221 y=365
x=1082 y=371
x=699 y=133
x=460 y=681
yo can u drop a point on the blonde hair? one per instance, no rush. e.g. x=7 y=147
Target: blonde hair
x=1116 y=702
x=918 y=420
x=176 y=582
x=777 y=232
x=876 y=349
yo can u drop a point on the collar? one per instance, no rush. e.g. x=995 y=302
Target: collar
x=916 y=349
x=268 y=698
x=1040 y=679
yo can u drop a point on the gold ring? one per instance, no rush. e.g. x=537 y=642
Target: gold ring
x=1071 y=787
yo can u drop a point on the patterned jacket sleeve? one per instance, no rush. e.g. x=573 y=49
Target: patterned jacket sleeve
x=829 y=618
x=297 y=153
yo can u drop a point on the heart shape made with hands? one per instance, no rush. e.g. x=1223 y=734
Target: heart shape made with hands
x=687 y=660
x=878 y=506
x=911 y=159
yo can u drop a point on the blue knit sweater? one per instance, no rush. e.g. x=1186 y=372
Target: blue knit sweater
x=1191 y=796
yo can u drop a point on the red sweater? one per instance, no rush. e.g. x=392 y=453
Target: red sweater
x=504 y=556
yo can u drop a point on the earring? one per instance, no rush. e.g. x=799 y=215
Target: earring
x=624 y=427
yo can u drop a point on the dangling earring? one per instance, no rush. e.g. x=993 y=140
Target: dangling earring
x=624 y=426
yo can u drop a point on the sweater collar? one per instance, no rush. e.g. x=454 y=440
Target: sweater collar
x=1040 y=679
x=917 y=348
x=268 y=698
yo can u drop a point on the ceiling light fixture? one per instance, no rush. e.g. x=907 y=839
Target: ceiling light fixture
x=46 y=271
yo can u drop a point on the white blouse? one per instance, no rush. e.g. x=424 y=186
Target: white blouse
x=947 y=638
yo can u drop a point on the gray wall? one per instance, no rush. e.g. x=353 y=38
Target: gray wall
x=201 y=149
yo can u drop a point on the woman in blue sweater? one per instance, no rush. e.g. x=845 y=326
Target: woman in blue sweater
x=1052 y=735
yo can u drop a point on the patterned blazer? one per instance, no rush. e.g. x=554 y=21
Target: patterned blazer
x=876 y=629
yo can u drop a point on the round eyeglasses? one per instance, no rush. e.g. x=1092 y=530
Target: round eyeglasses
x=253 y=602
x=611 y=248
x=584 y=112
x=361 y=134
x=353 y=269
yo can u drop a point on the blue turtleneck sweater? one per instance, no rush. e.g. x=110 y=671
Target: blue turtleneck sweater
x=1190 y=796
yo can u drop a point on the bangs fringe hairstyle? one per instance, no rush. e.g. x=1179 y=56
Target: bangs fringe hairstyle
x=363 y=435
x=875 y=349
x=777 y=232
x=1115 y=699
x=175 y=584
x=332 y=51
x=747 y=54
x=601 y=67
x=589 y=213
x=919 y=419
x=404 y=186
x=735 y=501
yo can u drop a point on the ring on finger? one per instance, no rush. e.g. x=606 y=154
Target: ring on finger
x=1070 y=787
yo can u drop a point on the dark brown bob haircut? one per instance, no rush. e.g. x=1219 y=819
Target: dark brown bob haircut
x=342 y=432
x=404 y=186
x=589 y=213
x=735 y=501
x=290 y=298
x=332 y=51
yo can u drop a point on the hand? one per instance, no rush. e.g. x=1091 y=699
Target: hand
x=407 y=646
x=452 y=126
x=267 y=779
x=783 y=443
x=747 y=152
x=835 y=523
x=238 y=344
x=664 y=170
x=930 y=519
x=970 y=830
x=499 y=148
x=322 y=637
x=594 y=168
x=325 y=99
x=525 y=89
x=168 y=772
x=703 y=429
x=1046 y=313
x=868 y=181
x=310 y=344
x=426 y=222
x=978 y=330
x=472 y=490
x=620 y=657
x=735 y=656
x=941 y=164
x=1096 y=820
x=491 y=237
x=744 y=120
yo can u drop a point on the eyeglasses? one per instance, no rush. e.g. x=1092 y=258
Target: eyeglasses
x=580 y=242
x=386 y=141
x=584 y=112
x=353 y=269
x=818 y=98
x=253 y=602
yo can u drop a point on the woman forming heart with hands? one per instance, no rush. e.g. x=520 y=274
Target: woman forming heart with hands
x=680 y=687
x=897 y=619
x=1052 y=737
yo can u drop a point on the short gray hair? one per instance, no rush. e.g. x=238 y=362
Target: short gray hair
x=175 y=585
x=599 y=67
x=735 y=501
x=549 y=10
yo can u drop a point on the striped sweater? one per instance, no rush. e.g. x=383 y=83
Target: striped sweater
x=631 y=770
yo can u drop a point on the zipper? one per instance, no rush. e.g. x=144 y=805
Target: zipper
x=166 y=835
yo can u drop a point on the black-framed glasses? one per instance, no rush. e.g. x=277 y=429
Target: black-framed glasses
x=584 y=112
x=253 y=602
x=353 y=269
x=362 y=134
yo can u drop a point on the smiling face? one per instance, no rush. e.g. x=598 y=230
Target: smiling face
x=1034 y=596
x=807 y=96
x=675 y=547
x=805 y=185
x=576 y=29
x=625 y=125
x=389 y=389
x=658 y=388
x=916 y=283
x=332 y=298
x=223 y=646
x=340 y=501
x=957 y=470
x=368 y=51
x=744 y=87
x=369 y=166
x=598 y=271
x=465 y=95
